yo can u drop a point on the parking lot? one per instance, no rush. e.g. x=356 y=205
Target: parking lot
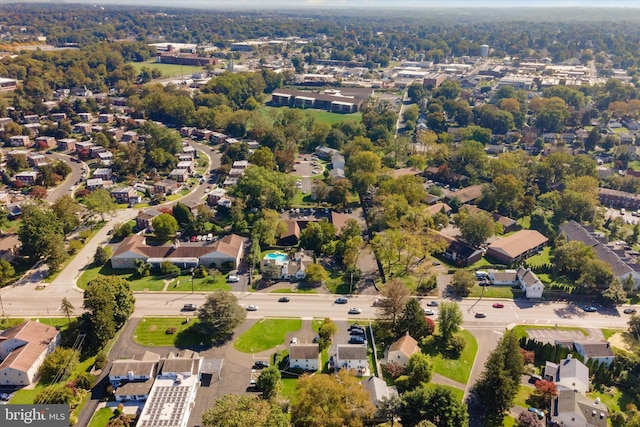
x=553 y=335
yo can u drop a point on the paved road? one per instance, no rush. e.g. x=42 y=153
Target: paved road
x=72 y=178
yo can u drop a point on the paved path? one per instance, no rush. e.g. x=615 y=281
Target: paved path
x=441 y=379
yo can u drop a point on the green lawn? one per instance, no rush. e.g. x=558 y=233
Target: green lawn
x=289 y=388
x=266 y=334
x=521 y=330
x=101 y=417
x=293 y=291
x=615 y=400
x=208 y=283
x=495 y=292
x=320 y=115
x=608 y=333
x=543 y=258
x=152 y=331
x=337 y=285
x=456 y=369
x=302 y=200
x=168 y=70
x=523 y=394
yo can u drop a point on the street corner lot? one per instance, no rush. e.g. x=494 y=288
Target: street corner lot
x=553 y=335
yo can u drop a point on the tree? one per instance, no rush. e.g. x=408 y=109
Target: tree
x=450 y=320
x=100 y=202
x=102 y=255
x=165 y=226
x=326 y=331
x=220 y=314
x=418 y=370
x=528 y=419
x=413 y=321
x=389 y=408
x=476 y=228
x=59 y=364
x=142 y=268
x=269 y=382
x=394 y=298
x=317 y=235
x=331 y=401
x=7 y=271
x=41 y=234
x=438 y=405
x=269 y=227
x=234 y=410
x=462 y=282
x=316 y=274
x=545 y=392
x=615 y=292
x=634 y=326
x=183 y=215
x=66 y=210
x=67 y=308
x=263 y=157
x=108 y=301
x=499 y=382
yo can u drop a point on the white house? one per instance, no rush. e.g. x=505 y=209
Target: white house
x=599 y=351
x=23 y=348
x=353 y=356
x=304 y=356
x=290 y=268
x=570 y=373
x=523 y=277
x=402 y=349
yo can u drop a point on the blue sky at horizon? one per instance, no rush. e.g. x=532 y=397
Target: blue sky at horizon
x=269 y=4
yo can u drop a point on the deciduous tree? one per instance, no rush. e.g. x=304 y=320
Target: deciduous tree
x=234 y=410
x=438 y=405
x=269 y=382
x=316 y=274
x=165 y=226
x=220 y=314
x=394 y=298
x=450 y=320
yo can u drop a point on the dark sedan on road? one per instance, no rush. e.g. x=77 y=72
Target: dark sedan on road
x=590 y=309
x=629 y=311
x=283 y=299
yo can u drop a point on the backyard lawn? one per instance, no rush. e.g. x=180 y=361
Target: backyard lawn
x=152 y=331
x=456 y=369
x=101 y=417
x=266 y=334
x=456 y=391
x=495 y=292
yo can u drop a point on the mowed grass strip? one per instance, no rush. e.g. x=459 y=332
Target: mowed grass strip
x=266 y=334
x=457 y=369
x=101 y=417
x=152 y=331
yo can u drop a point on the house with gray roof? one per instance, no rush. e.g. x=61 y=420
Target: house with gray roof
x=353 y=356
x=598 y=351
x=378 y=391
x=570 y=373
x=304 y=356
x=571 y=409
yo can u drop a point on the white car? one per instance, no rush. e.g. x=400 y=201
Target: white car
x=233 y=278
x=429 y=312
x=355 y=310
x=294 y=340
x=252 y=308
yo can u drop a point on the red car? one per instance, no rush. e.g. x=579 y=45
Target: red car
x=498 y=305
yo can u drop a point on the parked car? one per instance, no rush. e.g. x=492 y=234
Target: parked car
x=357 y=339
x=260 y=364
x=433 y=303
x=480 y=315
x=356 y=331
x=355 y=310
x=316 y=339
x=537 y=411
x=193 y=238
x=429 y=312
x=252 y=307
x=498 y=305
x=590 y=309
x=629 y=311
x=233 y=278
x=189 y=307
x=341 y=300
x=283 y=299
x=534 y=379
x=294 y=340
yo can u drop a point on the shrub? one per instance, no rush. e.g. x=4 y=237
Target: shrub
x=200 y=271
x=85 y=380
x=456 y=345
x=102 y=255
x=167 y=268
x=101 y=360
x=171 y=331
x=74 y=246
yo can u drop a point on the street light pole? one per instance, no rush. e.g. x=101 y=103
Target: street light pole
x=192 y=274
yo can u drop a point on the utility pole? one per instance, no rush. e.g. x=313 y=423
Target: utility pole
x=193 y=272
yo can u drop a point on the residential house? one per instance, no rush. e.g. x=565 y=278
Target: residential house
x=618 y=199
x=598 y=351
x=23 y=348
x=353 y=356
x=9 y=248
x=84 y=128
x=27 y=178
x=626 y=138
x=166 y=187
x=67 y=144
x=36 y=160
x=132 y=378
x=85 y=117
x=379 y=392
x=620 y=267
x=325 y=153
x=304 y=356
x=568 y=138
x=402 y=349
x=186 y=132
x=45 y=142
x=495 y=149
x=125 y=195
x=446 y=177
x=31 y=119
x=202 y=134
x=431 y=199
x=188 y=165
x=571 y=409
x=438 y=208
x=215 y=195
x=182 y=157
x=227 y=250
x=526 y=279
x=291 y=236
x=105 y=118
x=467 y=194
x=570 y=373
x=20 y=141
x=145 y=218
x=116 y=133
x=293 y=268
x=7 y=85
x=106 y=157
x=58 y=117
x=517 y=246
x=95 y=183
x=218 y=138
x=129 y=136
x=84 y=147
x=459 y=252
x=104 y=173
x=179 y=175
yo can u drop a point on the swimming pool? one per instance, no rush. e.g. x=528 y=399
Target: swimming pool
x=276 y=256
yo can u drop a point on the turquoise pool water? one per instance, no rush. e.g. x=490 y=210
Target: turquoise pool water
x=276 y=256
